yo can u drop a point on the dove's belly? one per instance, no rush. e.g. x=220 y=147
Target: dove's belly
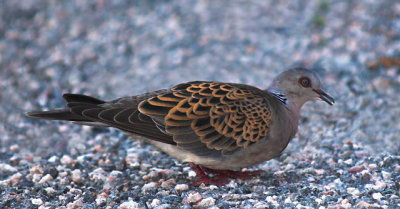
x=250 y=156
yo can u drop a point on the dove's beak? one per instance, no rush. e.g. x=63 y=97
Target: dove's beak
x=324 y=96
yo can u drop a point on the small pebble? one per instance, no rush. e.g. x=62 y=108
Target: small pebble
x=53 y=159
x=45 y=179
x=380 y=185
x=181 y=187
x=98 y=173
x=191 y=174
x=353 y=191
x=14 y=147
x=349 y=161
x=163 y=206
x=82 y=158
x=372 y=166
x=66 y=159
x=345 y=203
x=7 y=168
x=155 y=202
x=205 y=203
x=115 y=173
x=363 y=204
x=356 y=169
x=36 y=201
x=386 y=175
x=101 y=198
x=36 y=170
x=15 y=178
x=149 y=186
x=319 y=171
x=213 y=187
x=129 y=205
x=76 y=204
x=272 y=200
x=152 y=174
x=63 y=174
x=36 y=177
x=168 y=183
x=377 y=196
x=50 y=190
x=193 y=197
x=76 y=176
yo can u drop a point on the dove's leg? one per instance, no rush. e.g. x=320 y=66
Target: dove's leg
x=233 y=174
x=204 y=178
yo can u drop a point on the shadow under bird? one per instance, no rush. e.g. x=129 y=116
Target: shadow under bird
x=216 y=127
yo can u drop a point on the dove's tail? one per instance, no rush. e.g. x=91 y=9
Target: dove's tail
x=62 y=114
x=66 y=114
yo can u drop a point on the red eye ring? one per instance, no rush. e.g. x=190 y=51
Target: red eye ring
x=305 y=82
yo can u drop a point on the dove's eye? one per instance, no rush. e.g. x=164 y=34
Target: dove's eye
x=305 y=82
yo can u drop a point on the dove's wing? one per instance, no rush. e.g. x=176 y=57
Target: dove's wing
x=203 y=116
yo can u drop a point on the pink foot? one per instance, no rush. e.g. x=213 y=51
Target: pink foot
x=221 y=177
x=204 y=178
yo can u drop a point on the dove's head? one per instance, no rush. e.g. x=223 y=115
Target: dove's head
x=300 y=85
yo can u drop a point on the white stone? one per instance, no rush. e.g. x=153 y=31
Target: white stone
x=101 y=198
x=155 y=202
x=345 y=203
x=349 y=161
x=377 y=196
x=379 y=185
x=193 y=197
x=149 y=186
x=66 y=159
x=115 y=173
x=98 y=173
x=52 y=159
x=129 y=205
x=7 y=168
x=36 y=177
x=36 y=201
x=76 y=175
x=191 y=174
x=353 y=191
x=46 y=178
x=386 y=175
x=181 y=187
x=49 y=190
x=207 y=202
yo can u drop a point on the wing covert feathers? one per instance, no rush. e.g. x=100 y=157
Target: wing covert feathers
x=221 y=116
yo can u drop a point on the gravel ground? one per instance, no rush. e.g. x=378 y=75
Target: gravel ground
x=347 y=155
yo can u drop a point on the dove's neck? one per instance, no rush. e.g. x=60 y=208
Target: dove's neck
x=293 y=103
x=279 y=95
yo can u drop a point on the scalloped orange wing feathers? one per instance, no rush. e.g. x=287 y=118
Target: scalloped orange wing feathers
x=221 y=116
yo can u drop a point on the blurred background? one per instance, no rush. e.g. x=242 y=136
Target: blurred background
x=110 y=49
